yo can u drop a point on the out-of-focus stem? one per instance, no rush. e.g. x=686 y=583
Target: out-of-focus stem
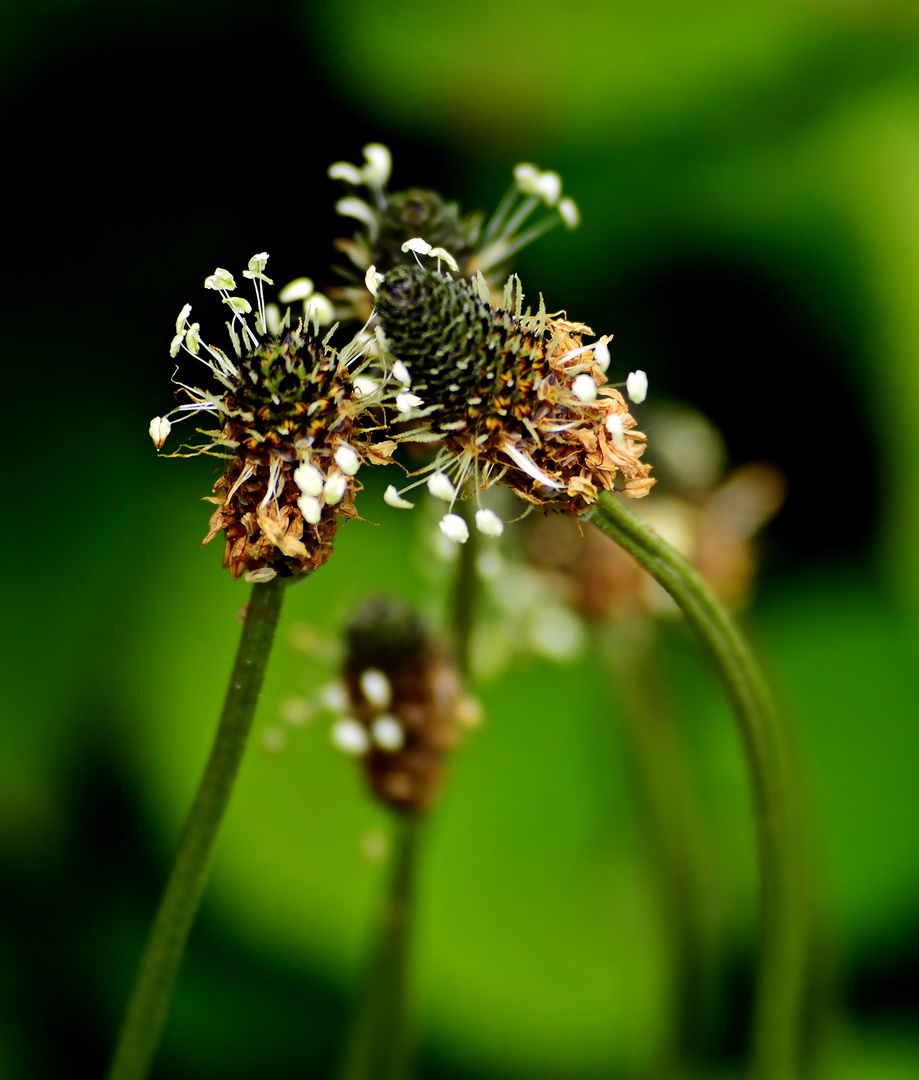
x=380 y=1045
x=148 y=1006
x=671 y=818
x=775 y=1051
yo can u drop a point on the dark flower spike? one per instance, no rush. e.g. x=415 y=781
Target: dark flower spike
x=405 y=704
x=294 y=427
x=515 y=398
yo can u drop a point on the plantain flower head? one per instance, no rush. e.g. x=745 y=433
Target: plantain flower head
x=512 y=398
x=289 y=419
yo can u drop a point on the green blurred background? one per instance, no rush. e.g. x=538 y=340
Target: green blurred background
x=748 y=176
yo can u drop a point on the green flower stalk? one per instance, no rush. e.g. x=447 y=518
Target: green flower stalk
x=294 y=428
x=148 y=1006
x=775 y=1052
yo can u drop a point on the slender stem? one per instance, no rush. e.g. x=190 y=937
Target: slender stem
x=465 y=590
x=379 y=1047
x=775 y=1047
x=148 y=1006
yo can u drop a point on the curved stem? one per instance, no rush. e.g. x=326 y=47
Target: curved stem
x=776 y=1030
x=148 y=1006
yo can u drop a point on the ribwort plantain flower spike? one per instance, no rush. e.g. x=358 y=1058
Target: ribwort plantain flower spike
x=292 y=427
x=512 y=398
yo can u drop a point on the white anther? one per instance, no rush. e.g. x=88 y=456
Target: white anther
x=392 y=498
x=636 y=386
x=221 y=280
x=488 y=522
x=350 y=737
x=311 y=508
x=373 y=280
x=601 y=355
x=569 y=213
x=176 y=343
x=298 y=289
x=526 y=176
x=193 y=338
x=584 y=388
x=334 y=489
x=615 y=428
x=417 y=245
x=400 y=373
x=388 y=733
x=309 y=478
x=364 y=386
x=548 y=186
x=273 y=318
x=321 y=307
x=357 y=208
x=238 y=304
x=405 y=402
x=440 y=487
x=445 y=256
x=263 y=573
x=347 y=460
x=296 y=711
x=454 y=528
x=376 y=687
x=183 y=315
x=379 y=164
x=256 y=268
x=334 y=696
x=159 y=430
x=343 y=170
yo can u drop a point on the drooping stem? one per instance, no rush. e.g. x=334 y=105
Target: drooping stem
x=379 y=1047
x=148 y=1006
x=775 y=1050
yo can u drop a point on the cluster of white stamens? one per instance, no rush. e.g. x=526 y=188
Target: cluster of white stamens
x=374 y=175
x=386 y=731
x=317 y=310
x=502 y=237
x=318 y=489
